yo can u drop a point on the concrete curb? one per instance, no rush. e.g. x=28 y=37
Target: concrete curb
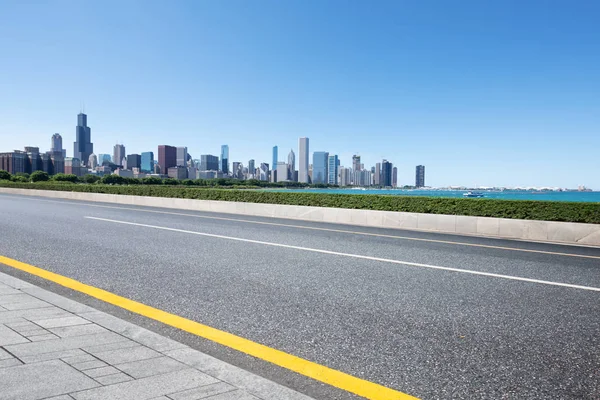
x=540 y=231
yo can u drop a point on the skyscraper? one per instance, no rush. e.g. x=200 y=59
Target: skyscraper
x=33 y=160
x=303 y=161
x=377 y=177
x=320 y=167
x=332 y=170
x=291 y=165
x=386 y=174
x=103 y=157
x=365 y=177
x=56 y=145
x=167 y=158
x=344 y=177
x=394 y=177
x=282 y=171
x=420 y=176
x=134 y=161
x=225 y=159
x=182 y=156
x=356 y=163
x=274 y=165
x=92 y=161
x=264 y=172
x=209 y=162
x=237 y=170
x=118 y=154
x=83 y=146
x=251 y=171
x=147 y=162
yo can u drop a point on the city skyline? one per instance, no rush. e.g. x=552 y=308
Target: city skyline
x=384 y=174
x=177 y=162
x=480 y=98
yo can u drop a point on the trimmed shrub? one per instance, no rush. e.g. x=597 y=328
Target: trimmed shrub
x=65 y=178
x=517 y=209
x=89 y=178
x=39 y=176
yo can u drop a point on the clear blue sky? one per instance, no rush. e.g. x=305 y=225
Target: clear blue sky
x=481 y=92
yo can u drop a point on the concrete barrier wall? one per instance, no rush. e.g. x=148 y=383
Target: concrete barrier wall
x=545 y=231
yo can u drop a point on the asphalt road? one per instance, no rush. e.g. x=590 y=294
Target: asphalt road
x=429 y=332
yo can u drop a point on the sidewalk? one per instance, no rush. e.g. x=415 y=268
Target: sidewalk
x=55 y=348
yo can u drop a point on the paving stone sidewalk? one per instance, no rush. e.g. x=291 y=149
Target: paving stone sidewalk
x=55 y=348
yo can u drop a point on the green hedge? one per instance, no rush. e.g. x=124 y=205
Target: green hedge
x=536 y=210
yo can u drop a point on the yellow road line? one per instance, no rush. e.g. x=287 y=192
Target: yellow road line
x=345 y=231
x=304 y=367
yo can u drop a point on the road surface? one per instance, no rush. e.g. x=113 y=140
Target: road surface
x=435 y=316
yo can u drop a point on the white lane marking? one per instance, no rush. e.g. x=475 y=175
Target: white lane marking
x=487 y=246
x=335 y=253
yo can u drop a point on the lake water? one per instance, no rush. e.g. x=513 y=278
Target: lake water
x=506 y=195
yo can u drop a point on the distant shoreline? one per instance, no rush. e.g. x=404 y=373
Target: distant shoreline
x=506 y=194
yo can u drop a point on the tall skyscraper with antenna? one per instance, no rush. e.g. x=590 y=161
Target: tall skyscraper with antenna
x=83 y=146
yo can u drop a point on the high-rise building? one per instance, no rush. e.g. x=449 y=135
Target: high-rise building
x=303 y=161
x=167 y=158
x=356 y=163
x=182 y=156
x=118 y=154
x=103 y=157
x=33 y=162
x=357 y=178
x=377 y=178
x=320 y=167
x=147 y=162
x=291 y=165
x=274 y=164
x=344 y=177
x=366 y=177
x=92 y=161
x=394 y=177
x=420 y=176
x=264 y=172
x=177 y=172
x=56 y=145
x=282 y=172
x=386 y=174
x=134 y=161
x=332 y=170
x=237 y=170
x=13 y=162
x=53 y=162
x=83 y=146
x=209 y=162
x=224 y=167
x=250 y=169
x=73 y=166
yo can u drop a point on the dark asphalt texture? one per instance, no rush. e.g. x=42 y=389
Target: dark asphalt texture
x=429 y=333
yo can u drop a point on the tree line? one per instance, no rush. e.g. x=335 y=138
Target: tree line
x=40 y=176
